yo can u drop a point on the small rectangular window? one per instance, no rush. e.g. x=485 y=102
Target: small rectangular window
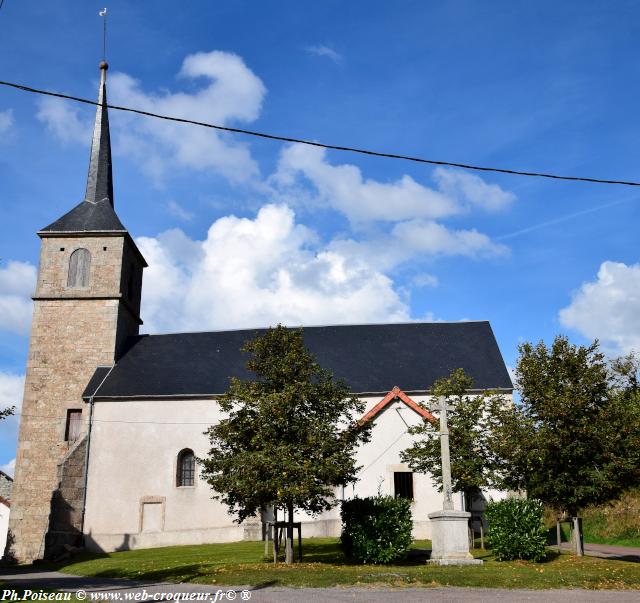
x=74 y=425
x=403 y=484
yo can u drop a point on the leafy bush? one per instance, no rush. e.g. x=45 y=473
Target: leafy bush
x=376 y=529
x=516 y=529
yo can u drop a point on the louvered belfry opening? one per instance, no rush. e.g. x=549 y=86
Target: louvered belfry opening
x=79 y=269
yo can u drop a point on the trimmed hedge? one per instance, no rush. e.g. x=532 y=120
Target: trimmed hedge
x=376 y=529
x=516 y=529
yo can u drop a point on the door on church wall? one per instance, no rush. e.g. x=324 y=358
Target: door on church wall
x=151 y=517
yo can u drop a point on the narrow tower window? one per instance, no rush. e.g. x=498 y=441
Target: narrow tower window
x=186 y=468
x=74 y=423
x=79 y=268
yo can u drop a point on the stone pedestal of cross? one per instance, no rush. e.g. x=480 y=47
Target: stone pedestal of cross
x=449 y=528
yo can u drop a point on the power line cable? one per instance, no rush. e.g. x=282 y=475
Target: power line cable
x=465 y=166
x=374 y=461
x=56 y=419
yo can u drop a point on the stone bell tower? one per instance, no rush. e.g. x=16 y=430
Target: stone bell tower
x=86 y=304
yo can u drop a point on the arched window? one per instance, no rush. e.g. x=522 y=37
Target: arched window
x=79 y=268
x=185 y=475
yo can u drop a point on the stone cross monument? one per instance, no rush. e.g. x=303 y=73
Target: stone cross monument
x=447 y=492
x=449 y=528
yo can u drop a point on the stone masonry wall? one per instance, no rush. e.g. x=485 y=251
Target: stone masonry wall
x=6 y=486
x=65 y=526
x=104 y=275
x=71 y=335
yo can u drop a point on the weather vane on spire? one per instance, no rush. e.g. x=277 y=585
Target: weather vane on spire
x=103 y=14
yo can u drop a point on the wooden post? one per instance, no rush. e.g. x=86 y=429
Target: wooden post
x=288 y=549
x=481 y=534
x=300 y=542
x=267 y=537
x=558 y=535
x=276 y=543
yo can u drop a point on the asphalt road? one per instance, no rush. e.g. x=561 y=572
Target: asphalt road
x=110 y=589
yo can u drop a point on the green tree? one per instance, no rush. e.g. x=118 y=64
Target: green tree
x=289 y=436
x=623 y=419
x=470 y=426
x=570 y=441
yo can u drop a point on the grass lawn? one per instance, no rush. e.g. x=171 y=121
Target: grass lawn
x=323 y=564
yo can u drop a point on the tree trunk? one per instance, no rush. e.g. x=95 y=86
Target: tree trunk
x=576 y=533
x=289 y=544
x=276 y=536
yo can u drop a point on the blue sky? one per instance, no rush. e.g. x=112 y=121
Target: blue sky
x=247 y=232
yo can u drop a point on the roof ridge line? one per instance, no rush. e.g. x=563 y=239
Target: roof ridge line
x=363 y=324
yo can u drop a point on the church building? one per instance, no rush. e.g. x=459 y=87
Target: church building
x=113 y=421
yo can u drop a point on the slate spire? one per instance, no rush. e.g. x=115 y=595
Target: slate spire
x=95 y=213
x=100 y=178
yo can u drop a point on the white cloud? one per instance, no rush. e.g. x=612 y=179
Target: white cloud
x=6 y=120
x=9 y=467
x=425 y=280
x=472 y=189
x=321 y=50
x=11 y=390
x=608 y=308
x=259 y=272
x=362 y=200
x=431 y=238
x=17 y=284
x=418 y=239
x=403 y=213
x=232 y=93
x=65 y=120
x=176 y=210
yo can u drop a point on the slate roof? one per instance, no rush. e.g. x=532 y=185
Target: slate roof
x=88 y=216
x=371 y=358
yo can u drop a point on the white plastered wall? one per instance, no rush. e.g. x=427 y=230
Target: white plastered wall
x=132 y=470
x=132 y=463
